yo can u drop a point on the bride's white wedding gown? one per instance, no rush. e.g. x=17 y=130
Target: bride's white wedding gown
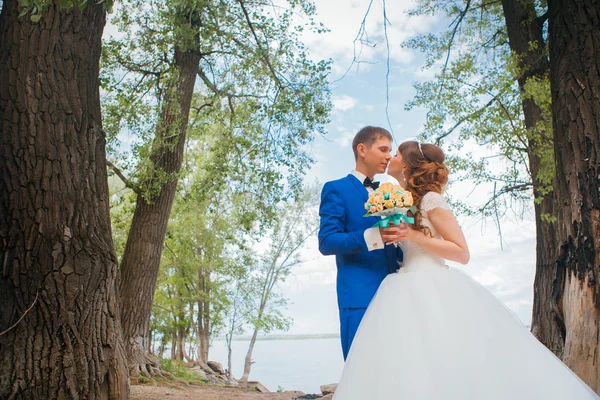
x=432 y=333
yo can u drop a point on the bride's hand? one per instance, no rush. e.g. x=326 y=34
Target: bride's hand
x=396 y=233
x=389 y=235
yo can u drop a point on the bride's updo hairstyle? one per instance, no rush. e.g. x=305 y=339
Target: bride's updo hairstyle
x=426 y=173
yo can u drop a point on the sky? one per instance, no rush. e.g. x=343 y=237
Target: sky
x=359 y=99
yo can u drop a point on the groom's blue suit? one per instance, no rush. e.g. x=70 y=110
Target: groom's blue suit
x=359 y=271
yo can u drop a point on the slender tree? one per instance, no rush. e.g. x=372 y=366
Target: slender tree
x=295 y=224
x=247 y=56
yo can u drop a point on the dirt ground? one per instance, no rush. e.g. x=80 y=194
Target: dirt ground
x=208 y=392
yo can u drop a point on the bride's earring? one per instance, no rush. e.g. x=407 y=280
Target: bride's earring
x=403 y=176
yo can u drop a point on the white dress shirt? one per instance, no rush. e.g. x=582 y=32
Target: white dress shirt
x=372 y=235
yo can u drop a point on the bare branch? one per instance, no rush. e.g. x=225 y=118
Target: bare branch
x=361 y=32
x=123 y=178
x=521 y=187
x=464 y=119
x=387 y=72
x=24 y=314
x=457 y=21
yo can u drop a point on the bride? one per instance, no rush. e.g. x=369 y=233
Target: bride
x=433 y=333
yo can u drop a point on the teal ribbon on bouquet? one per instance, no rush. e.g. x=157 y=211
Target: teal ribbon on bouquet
x=396 y=219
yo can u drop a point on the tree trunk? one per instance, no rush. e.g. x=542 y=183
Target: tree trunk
x=204 y=315
x=180 y=354
x=524 y=29
x=174 y=343
x=149 y=349
x=202 y=337
x=248 y=360
x=574 y=29
x=142 y=254
x=163 y=345
x=60 y=333
x=228 y=339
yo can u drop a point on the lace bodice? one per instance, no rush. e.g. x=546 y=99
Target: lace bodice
x=415 y=257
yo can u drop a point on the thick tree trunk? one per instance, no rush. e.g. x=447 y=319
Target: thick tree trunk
x=574 y=29
x=142 y=255
x=525 y=29
x=60 y=333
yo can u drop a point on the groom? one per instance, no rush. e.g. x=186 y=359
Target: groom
x=362 y=258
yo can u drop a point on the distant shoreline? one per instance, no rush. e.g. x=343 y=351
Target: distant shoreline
x=283 y=337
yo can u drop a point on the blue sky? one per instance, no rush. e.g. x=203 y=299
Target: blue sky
x=360 y=99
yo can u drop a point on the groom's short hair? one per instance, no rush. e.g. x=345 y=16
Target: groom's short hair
x=369 y=135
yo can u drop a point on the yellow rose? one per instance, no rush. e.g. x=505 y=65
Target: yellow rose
x=379 y=207
x=373 y=209
x=386 y=187
x=389 y=204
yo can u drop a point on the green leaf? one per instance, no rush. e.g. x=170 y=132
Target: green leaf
x=65 y=4
x=83 y=5
x=36 y=17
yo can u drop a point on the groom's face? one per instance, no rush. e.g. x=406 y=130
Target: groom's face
x=377 y=156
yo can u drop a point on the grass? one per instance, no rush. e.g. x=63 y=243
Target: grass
x=179 y=370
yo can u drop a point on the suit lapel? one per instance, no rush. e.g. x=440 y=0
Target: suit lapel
x=359 y=186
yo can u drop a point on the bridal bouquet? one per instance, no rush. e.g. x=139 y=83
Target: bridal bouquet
x=392 y=203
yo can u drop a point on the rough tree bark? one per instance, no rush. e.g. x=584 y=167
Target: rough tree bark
x=574 y=29
x=143 y=250
x=60 y=333
x=525 y=28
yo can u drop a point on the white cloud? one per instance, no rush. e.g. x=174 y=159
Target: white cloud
x=343 y=103
x=344 y=19
x=345 y=139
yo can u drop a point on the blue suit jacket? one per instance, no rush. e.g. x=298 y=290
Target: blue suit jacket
x=360 y=271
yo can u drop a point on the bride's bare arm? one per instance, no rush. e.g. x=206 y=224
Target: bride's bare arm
x=452 y=247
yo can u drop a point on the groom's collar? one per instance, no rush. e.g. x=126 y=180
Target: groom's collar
x=358 y=175
x=358 y=183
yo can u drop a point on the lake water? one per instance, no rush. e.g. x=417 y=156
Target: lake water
x=304 y=364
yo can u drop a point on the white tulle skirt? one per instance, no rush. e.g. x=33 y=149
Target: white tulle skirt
x=436 y=334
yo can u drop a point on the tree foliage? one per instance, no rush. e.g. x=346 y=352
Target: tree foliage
x=256 y=79
x=474 y=98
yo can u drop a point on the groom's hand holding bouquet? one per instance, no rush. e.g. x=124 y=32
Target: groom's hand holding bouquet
x=392 y=203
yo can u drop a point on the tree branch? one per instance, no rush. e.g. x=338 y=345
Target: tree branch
x=521 y=187
x=459 y=123
x=123 y=178
x=264 y=53
x=457 y=21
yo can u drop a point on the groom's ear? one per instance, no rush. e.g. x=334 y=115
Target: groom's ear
x=360 y=149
